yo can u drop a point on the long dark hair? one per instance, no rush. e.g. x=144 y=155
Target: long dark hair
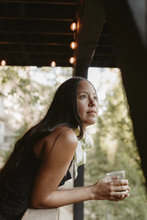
x=63 y=111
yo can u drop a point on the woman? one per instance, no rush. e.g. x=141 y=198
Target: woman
x=44 y=158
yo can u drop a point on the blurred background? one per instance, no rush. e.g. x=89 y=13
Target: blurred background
x=26 y=92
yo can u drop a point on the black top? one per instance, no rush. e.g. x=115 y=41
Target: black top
x=15 y=197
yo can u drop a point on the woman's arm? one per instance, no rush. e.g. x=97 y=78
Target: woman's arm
x=45 y=191
x=65 y=196
x=53 y=166
x=102 y=190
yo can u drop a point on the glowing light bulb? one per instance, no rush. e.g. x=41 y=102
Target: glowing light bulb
x=73 y=26
x=71 y=60
x=72 y=45
x=3 y=63
x=53 y=63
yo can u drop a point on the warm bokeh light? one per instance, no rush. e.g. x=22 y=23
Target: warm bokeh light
x=71 y=60
x=3 y=63
x=72 y=45
x=53 y=63
x=73 y=26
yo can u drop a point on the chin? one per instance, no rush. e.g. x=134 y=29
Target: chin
x=88 y=124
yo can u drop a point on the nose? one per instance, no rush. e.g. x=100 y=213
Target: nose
x=92 y=102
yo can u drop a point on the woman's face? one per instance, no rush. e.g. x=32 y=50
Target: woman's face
x=87 y=102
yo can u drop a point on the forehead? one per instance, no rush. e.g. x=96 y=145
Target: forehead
x=85 y=86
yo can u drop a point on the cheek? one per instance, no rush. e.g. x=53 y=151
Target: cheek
x=97 y=109
x=80 y=107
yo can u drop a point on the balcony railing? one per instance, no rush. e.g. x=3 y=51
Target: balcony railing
x=41 y=214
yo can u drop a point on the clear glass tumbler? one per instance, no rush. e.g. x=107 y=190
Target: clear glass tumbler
x=119 y=174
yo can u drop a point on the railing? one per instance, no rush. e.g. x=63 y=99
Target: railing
x=40 y=214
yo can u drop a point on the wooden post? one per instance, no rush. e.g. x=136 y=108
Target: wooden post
x=78 y=207
x=91 y=17
x=131 y=52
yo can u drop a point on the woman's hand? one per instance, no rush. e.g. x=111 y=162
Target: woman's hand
x=113 y=190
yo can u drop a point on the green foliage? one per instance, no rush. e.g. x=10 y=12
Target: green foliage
x=17 y=136
x=115 y=149
x=29 y=96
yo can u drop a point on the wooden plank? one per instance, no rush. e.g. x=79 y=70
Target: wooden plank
x=27 y=48
x=89 y=26
x=68 y=2
x=40 y=214
x=13 y=10
x=37 y=63
x=34 y=26
x=104 y=64
x=33 y=56
x=132 y=60
x=42 y=39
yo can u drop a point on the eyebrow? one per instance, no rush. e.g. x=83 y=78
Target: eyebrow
x=86 y=92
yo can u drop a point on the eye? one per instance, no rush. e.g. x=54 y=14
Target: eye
x=95 y=97
x=83 y=96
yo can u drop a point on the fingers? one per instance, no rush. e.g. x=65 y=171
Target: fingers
x=120 y=188
x=117 y=199
x=113 y=190
x=119 y=185
x=119 y=196
x=119 y=182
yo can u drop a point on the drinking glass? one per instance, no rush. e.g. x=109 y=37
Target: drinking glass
x=119 y=174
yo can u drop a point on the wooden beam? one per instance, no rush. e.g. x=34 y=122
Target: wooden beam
x=131 y=54
x=139 y=13
x=91 y=17
x=27 y=48
x=41 y=39
x=34 y=26
x=37 y=63
x=35 y=56
x=78 y=207
x=31 y=11
x=59 y=2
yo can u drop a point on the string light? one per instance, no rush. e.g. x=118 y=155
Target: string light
x=71 y=60
x=72 y=45
x=53 y=63
x=3 y=63
x=73 y=26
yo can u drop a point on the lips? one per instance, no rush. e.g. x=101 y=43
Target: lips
x=92 y=111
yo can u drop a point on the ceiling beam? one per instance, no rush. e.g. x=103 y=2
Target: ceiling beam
x=36 y=56
x=15 y=38
x=91 y=17
x=59 y=2
x=37 y=63
x=35 y=48
x=42 y=12
x=40 y=26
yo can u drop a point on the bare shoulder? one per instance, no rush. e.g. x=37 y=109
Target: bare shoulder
x=68 y=136
x=63 y=138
